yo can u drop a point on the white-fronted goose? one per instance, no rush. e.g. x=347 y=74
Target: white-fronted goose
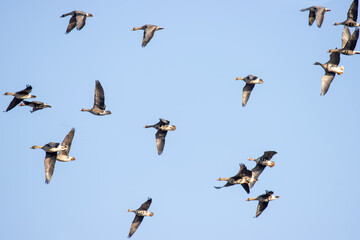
x=250 y=80
x=264 y=200
x=140 y=213
x=51 y=150
x=348 y=42
x=36 y=105
x=149 y=31
x=19 y=96
x=77 y=20
x=99 y=102
x=163 y=126
x=261 y=163
x=316 y=12
x=63 y=155
x=351 y=15
x=243 y=177
x=330 y=68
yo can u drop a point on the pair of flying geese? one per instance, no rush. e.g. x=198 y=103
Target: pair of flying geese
x=247 y=179
x=78 y=20
x=349 y=41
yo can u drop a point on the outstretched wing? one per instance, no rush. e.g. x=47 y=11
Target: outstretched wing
x=261 y=207
x=27 y=90
x=50 y=160
x=80 y=21
x=268 y=155
x=135 y=224
x=334 y=58
x=13 y=104
x=320 y=12
x=226 y=185
x=353 y=10
x=145 y=206
x=326 y=81
x=246 y=187
x=311 y=17
x=246 y=93
x=345 y=37
x=72 y=24
x=67 y=142
x=160 y=140
x=256 y=171
x=99 y=98
x=148 y=35
x=351 y=44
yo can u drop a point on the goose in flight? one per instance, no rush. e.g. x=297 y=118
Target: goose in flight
x=261 y=163
x=19 y=96
x=351 y=16
x=163 y=126
x=250 y=81
x=348 y=42
x=99 y=102
x=78 y=20
x=149 y=31
x=264 y=200
x=63 y=155
x=140 y=213
x=36 y=105
x=51 y=150
x=330 y=68
x=243 y=177
x=316 y=12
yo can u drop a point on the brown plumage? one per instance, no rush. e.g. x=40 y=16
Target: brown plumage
x=36 y=105
x=351 y=15
x=99 y=102
x=250 y=81
x=19 y=96
x=264 y=200
x=261 y=163
x=77 y=20
x=140 y=213
x=163 y=126
x=348 y=42
x=316 y=12
x=149 y=31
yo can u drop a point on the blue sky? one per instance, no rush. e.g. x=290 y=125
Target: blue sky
x=186 y=74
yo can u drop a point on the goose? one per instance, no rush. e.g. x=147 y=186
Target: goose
x=51 y=150
x=78 y=20
x=348 y=42
x=351 y=16
x=149 y=31
x=250 y=80
x=163 y=126
x=330 y=68
x=261 y=163
x=264 y=200
x=63 y=155
x=99 y=102
x=316 y=12
x=36 y=105
x=19 y=96
x=243 y=177
x=140 y=213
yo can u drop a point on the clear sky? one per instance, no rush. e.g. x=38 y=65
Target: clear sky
x=186 y=74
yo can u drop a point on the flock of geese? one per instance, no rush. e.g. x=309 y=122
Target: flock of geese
x=246 y=178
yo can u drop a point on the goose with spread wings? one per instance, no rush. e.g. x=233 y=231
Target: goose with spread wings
x=78 y=20
x=63 y=155
x=331 y=68
x=316 y=12
x=250 y=81
x=264 y=200
x=243 y=177
x=19 y=96
x=348 y=42
x=351 y=16
x=261 y=163
x=163 y=126
x=99 y=102
x=36 y=105
x=140 y=213
x=149 y=31
x=51 y=150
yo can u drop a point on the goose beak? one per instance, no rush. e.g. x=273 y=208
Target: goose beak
x=239 y=78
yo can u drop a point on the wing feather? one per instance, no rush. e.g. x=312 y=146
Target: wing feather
x=246 y=93
x=50 y=159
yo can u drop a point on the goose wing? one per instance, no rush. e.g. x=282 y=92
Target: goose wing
x=72 y=24
x=148 y=34
x=80 y=20
x=320 y=12
x=353 y=10
x=13 y=103
x=50 y=159
x=345 y=37
x=163 y=122
x=326 y=81
x=246 y=93
x=256 y=171
x=135 y=224
x=145 y=206
x=27 y=90
x=67 y=142
x=334 y=58
x=311 y=17
x=268 y=155
x=226 y=185
x=261 y=207
x=99 y=98
x=160 y=140
x=246 y=187
x=351 y=44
